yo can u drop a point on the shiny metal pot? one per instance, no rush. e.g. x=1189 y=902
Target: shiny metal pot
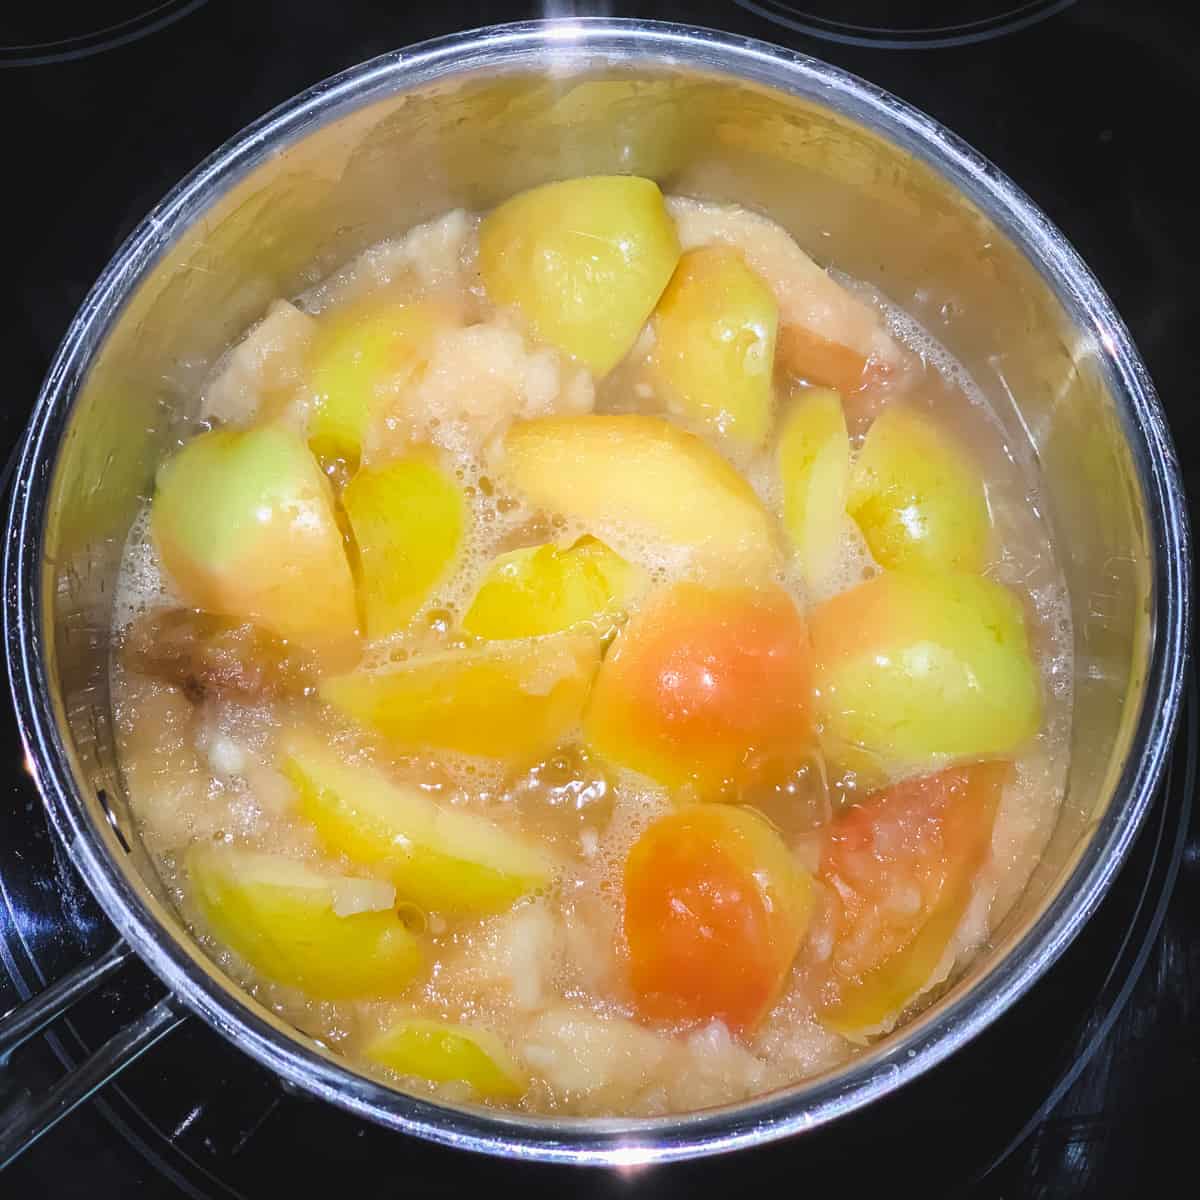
x=882 y=191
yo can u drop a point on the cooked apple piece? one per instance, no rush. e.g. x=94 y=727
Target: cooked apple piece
x=715 y=908
x=583 y=261
x=827 y=335
x=331 y=936
x=911 y=668
x=542 y=589
x=637 y=480
x=443 y=1052
x=917 y=497
x=507 y=700
x=408 y=519
x=814 y=471
x=259 y=375
x=715 y=343
x=703 y=685
x=440 y=858
x=244 y=523
x=900 y=869
x=360 y=355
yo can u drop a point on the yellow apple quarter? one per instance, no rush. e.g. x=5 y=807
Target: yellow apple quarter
x=408 y=519
x=917 y=497
x=913 y=669
x=333 y=937
x=244 y=523
x=512 y=700
x=583 y=261
x=814 y=472
x=358 y=353
x=827 y=334
x=541 y=589
x=715 y=343
x=640 y=479
x=441 y=858
x=443 y=1052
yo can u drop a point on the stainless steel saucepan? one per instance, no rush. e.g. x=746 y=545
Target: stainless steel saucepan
x=876 y=188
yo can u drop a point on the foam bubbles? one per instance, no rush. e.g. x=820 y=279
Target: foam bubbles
x=141 y=586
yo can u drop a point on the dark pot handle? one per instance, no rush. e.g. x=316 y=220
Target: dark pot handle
x=38 y=1114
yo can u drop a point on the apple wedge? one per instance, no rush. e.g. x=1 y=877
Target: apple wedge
x=512 y=700
x=583 y=261
x=814 y=472
x=639 y=480
x=827 y=335
x=443 y=1052
x=714 y=344
x=715 y=908
x=541 y=589
x=917 y=496
x=442 y=859
x=902 y=867
x=285 y=919
x=703 y=685
x=245 y=525
x=913 y=669
x=362 y=354
x=408 y=519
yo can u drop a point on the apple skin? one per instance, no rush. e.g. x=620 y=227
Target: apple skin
x=539 y=590
x=279 y=915
x=917 y=496
x=513 y=701
x=702 y=685
x=583 y=261
x=442 y=859
x=635 y=481
x=715 y=910
x=715 y=344
x=937 y=833
x=914 y=669
x=813 y=459
x=408 y=519
x=245 y=526
x=360 y=356
x=443 y=1052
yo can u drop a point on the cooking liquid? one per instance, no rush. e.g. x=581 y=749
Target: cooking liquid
x=548 y=976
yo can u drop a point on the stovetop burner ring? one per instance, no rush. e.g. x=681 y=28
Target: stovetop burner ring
x=916 y=25
x=35 y=38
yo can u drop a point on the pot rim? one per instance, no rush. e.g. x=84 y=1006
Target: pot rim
x=593 y=1141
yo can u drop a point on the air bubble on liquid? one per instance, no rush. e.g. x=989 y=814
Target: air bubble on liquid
x=763 y=477
x=141 y=585
x=477 y=778
x=907 y=330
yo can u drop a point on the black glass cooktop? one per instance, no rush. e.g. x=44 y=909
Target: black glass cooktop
x=1088 y=1087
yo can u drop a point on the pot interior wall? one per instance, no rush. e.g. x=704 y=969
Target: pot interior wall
x=859 y=202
